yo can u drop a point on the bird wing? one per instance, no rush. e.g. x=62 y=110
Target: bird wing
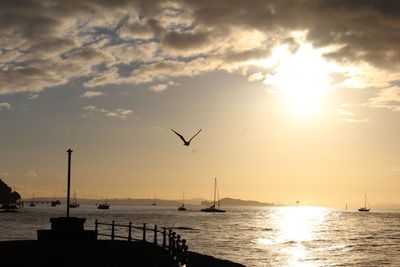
x=180 y=136
x=195 y=135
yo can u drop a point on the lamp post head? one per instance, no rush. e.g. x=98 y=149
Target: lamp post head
x=69 y=150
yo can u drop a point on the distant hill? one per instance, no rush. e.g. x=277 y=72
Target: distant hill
x=160 y=202
x=237 y=202
x=140 y=202
x=125 y=201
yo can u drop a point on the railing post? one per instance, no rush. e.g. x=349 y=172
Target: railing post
x=178 y=248
x=173 y=243
x=95 y=225
x=112 y=230
x=164 y=239
x=155 y=235
x=170 y=240
x=184 y=252
x=130 y=232
x=144 y=232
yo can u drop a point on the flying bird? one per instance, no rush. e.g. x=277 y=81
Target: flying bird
x=186 y=143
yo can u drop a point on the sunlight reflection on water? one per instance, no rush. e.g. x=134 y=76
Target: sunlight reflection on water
x=294 y=225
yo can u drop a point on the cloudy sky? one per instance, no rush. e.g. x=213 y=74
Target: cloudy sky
x=297 y=99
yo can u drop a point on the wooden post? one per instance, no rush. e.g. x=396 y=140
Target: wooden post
x=69 y=151
x=178 y=248
x=184 y=252
x=112 y=230
x=178 y=242
x=155 y=235
x=173 y=243
x=164 y=239
x=130 y=232
x=170 y=240
x=95 y=225
x=144 y=232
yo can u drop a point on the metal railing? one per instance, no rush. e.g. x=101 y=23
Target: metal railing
x=171 y=241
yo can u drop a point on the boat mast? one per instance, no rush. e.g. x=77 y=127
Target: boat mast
x=219 y=206
x=215 y=188
x=365 y=200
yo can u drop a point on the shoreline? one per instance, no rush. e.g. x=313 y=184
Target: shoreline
x=102 y=253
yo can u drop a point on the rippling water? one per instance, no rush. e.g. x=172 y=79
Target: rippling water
x=253 y=236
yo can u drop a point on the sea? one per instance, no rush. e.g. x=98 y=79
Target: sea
x=252 y=236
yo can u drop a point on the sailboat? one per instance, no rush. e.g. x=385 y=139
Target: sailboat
x=55 y=202
x=74 y=204
x=182 y=208
x=365 y=204
x=32 y=204
x=154 y=202
x=212 y=208
x=104 y=205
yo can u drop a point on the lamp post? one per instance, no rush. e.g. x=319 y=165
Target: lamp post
x=69 y=179
x=67 y=229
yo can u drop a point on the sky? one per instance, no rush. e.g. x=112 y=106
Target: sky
x=297 y=99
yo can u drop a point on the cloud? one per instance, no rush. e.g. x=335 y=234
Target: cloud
x=258 y=76
x=32 y=174
x=91 y=108
x=356 y=120
x=157 y=128
x=353 y=115
x=386 y=98
x=162 y=86
x=345 y=113
x=91 y=94
x=4 y=106
x=120 y=113
x=159 y=87
x=100 y=42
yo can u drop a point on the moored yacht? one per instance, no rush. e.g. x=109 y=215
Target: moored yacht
x=212 y=208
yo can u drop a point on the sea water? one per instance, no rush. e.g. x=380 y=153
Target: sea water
x=253 y=236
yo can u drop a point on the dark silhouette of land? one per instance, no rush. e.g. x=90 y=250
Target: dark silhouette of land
x=237 y=202
x=7 y=195
x=103 y=253
x=186 y=143
x=162 y=202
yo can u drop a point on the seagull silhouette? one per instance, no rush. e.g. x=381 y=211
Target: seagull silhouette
x=186 y=143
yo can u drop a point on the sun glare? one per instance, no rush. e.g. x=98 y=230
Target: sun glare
x=293 y=227
x=303 y=77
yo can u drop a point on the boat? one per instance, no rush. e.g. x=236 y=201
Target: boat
x=154 y=202
x=365 y=209
x=54 y=203
x=9 y=208
x=32 y=204
x=182 y=208
x=212 y=208
x=103 y=206
x=74 y=204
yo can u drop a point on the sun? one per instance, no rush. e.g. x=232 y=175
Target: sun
x=303 y=78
